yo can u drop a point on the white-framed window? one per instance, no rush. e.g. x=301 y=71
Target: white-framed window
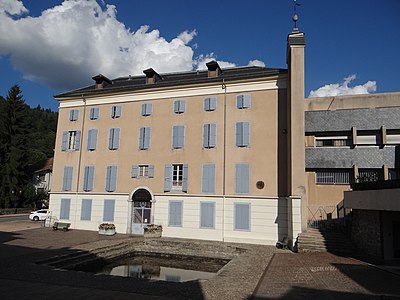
x=176 y=177
x=243 y=101
x=94 y=113
x=73 y=114
x=147 y=109
x=71 y=140
x=143 y=171
x=116 y=111
x=179 y=106
x=332 y=177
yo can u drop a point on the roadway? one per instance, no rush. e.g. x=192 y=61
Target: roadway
x=11 y=223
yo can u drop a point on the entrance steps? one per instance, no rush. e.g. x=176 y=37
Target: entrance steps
x=317 y=240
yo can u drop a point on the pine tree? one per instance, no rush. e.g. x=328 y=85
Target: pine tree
x=13 y=165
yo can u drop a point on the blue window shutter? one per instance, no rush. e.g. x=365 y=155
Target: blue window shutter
x=239 y=101
x=86 y=210
x=110 y=138
x=175 y=137
x=141 y=138
x=118 y=111
x=175 y=213
x=92 y=139
x=135 y=171
x=151 y=171
x=67 y=178
x=206 y=135
x=213 y=135
x=242 y=178
x=213 y=103
x=168 y=178
x=88 y=178
x=246 y=134
x=239 y=134
x=149 y=109
x=96 y=113
x=185 y=178
x=64 y=143
x=181 y=136
x=111 y=178
x=242 y=216
x=207 y=214
x=208 y=178
x=147 y=133
x=182 y=106
x=91 y=113
x=247 y=101
x=71 y=115
x=77 y=140
x=108 y=210
x=116 y=138
x=176 y=106
x=206 y=104
x=143 y=113
x=65 y=208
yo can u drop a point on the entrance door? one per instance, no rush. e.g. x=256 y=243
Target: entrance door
x=141 y=214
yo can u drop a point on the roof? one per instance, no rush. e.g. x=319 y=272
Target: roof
x=133 y=83
x=43 y=166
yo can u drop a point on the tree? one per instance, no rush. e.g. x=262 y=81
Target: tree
x=13 y=147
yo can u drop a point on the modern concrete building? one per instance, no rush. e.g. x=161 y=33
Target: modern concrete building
x=215 y=154
x=348 y=139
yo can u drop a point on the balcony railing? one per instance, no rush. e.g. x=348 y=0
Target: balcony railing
x=375 y=185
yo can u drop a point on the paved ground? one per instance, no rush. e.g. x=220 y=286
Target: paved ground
x=259 y=272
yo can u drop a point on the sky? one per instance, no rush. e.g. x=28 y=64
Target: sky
x=51 y=46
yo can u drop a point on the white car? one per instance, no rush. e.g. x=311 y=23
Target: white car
x=41 y=215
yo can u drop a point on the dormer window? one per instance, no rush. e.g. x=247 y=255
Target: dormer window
x=101 y=81
x=214 y=69
x=151 y=76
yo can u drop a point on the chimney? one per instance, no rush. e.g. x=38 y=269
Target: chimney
x=213 y=69
x=101 y=81
x=151 y=76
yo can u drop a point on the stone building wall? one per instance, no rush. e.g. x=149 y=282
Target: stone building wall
x=366 y=232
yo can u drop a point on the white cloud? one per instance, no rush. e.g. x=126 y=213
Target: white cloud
x=69 y=43
x=12 y=7
x=336 y=89
x=256 y=63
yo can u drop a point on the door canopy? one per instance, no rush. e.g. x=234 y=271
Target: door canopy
x=141 y=195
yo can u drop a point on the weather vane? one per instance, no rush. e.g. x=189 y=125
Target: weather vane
x=295 y=17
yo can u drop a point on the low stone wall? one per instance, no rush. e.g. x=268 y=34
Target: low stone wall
x=366 y=232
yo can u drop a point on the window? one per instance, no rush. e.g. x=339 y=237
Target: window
x=178 y=136
x=65 y=208
x=242 y=134
x=71 y=140
x=175 y=213
x=67 y=178
x=94 y=113
x=116 y=111
x=147 y=109
x=243 y=101
x=210 y=104
x=108 y=210
x=142 y=171
x=208 y=178
x=86 y=210
x=111 y=178
x=370 y=175
x=242 y=178
x=144 y=138
x=340 y=141
x=176 y=176
x=207 y=215
x=88 y=178
x=332 y=177
x=92 y=139
x=179 y=106
x=242 y=216
x=73 y=114
x=113 y=139
x=209 y=135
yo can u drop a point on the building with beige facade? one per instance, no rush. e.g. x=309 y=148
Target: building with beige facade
x=215 y=154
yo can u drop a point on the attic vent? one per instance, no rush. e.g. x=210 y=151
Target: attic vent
x=101 y=81
x=213 y=69
x=151 y=76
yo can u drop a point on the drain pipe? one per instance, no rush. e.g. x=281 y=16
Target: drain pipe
x=80 y=157
x=224 y=165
